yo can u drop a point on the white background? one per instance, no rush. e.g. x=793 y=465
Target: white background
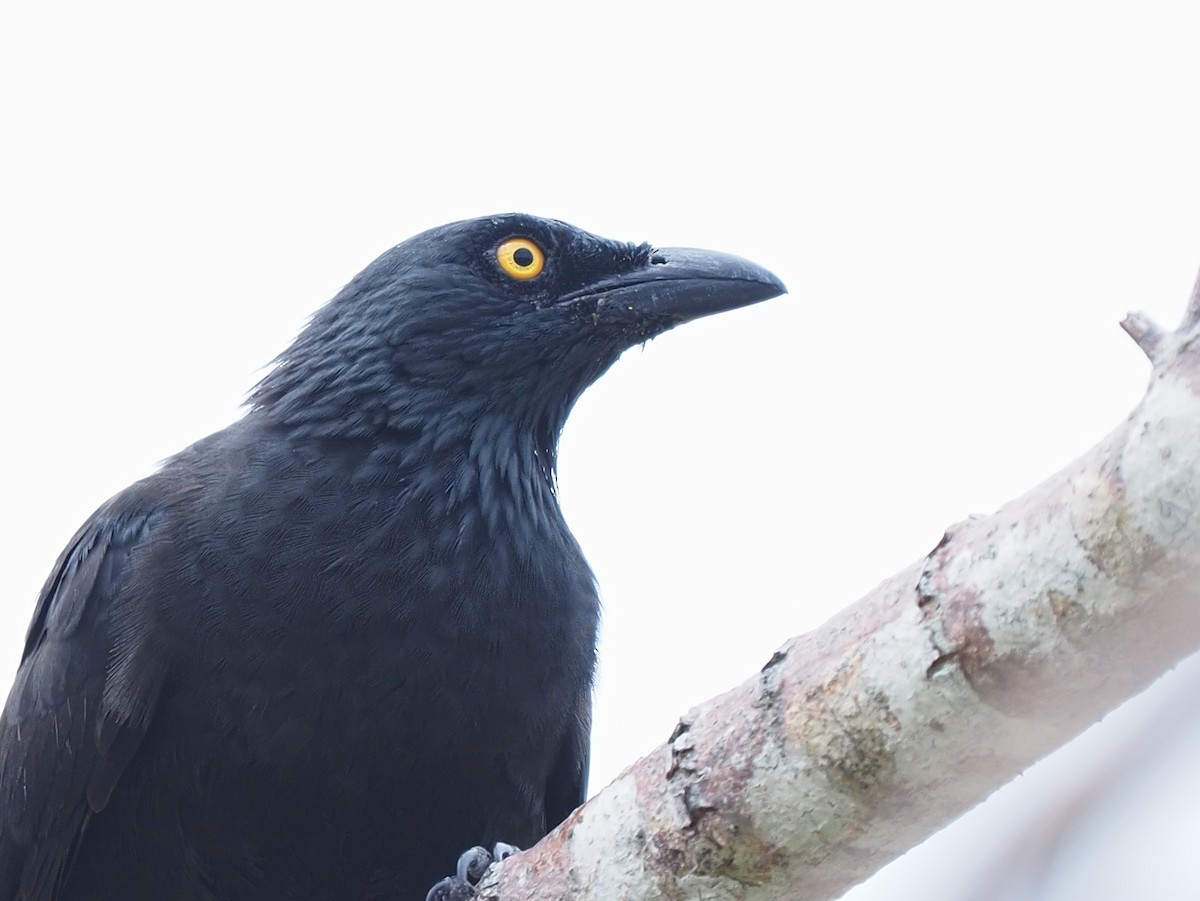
x=963 y=201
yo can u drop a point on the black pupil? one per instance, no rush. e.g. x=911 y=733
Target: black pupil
x=523 y=257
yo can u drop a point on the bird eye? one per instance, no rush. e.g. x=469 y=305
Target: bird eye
x=520 y=258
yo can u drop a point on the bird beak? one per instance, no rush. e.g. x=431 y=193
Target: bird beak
x=677 y=285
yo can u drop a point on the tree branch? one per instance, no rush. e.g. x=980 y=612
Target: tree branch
x=1146 y=333
x=858 y=740
x=1191 y=319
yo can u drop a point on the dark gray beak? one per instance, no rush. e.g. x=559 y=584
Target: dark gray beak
x=677 y=285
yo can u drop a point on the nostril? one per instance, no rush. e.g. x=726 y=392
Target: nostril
x=656 y=258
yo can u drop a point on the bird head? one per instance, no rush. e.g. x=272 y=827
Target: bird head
x=504 y=318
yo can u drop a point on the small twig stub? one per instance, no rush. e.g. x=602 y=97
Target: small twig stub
x=1146 y=332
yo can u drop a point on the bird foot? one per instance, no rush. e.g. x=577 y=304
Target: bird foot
x=472 y=864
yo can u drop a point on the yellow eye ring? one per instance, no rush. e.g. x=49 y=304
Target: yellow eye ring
x=520 y=258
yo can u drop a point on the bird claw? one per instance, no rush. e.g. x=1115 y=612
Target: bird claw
x=471 y=866
x=503 y=851
x=451 y=889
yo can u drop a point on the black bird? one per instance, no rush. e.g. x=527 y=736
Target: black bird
x=320 y=652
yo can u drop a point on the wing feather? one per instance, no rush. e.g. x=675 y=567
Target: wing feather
x=81 y=701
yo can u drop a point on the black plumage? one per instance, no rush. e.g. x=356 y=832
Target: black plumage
x=320 y=652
